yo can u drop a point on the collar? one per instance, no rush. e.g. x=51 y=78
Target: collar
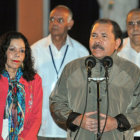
x=17 y=77
x=127 y=46
x=68 y=41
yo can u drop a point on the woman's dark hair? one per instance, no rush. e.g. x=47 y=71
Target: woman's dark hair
x=5 y=39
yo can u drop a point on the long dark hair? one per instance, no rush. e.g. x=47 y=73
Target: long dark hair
x=5 y=39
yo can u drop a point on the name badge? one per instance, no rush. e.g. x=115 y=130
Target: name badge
x=5 y=129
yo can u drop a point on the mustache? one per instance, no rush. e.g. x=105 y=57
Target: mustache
x=97 y=46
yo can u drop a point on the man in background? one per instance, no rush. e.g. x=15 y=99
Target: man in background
x=51 y=54
x=131 y=45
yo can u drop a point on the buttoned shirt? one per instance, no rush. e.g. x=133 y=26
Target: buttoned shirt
x=45 y=68
x=129 y=53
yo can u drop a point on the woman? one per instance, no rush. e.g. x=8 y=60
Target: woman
x=20 y=90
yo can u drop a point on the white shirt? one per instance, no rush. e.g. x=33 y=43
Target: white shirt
x=130 y=54
x=45 y=68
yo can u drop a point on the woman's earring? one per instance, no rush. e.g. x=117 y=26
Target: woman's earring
x=22 y=66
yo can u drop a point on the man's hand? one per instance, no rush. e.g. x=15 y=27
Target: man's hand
x=87 y=122
x=91 y=124
x=111 y=124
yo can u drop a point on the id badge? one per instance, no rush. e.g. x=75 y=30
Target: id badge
x=5 y=129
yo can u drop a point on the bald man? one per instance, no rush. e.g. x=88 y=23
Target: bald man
x=51 y=54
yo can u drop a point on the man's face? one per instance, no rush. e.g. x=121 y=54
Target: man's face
x=102 y=40
x=58 y=23
x=133 y=27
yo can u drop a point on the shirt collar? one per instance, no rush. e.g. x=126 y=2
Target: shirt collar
x=68 y=41
x=128 y=46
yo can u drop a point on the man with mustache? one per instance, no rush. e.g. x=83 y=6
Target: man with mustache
x=131 y=45
x=51 y=54
x=74 y=99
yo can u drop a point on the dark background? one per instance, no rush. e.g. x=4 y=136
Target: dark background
x=85 y=12
x=8 y=15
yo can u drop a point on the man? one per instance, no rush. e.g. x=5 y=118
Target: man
x=131 y=45
x=74 y=95
x=51 y=54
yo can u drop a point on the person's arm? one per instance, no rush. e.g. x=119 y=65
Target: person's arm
x=133 y=110
x=32 y=126
x=76 y=120
x=59 y=104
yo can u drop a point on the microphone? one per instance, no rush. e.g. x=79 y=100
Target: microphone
x=107 y=62
x=90 y=62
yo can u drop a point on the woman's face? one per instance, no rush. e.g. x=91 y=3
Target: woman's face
x=15 y=54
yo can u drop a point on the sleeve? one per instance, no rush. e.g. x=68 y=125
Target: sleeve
x=123 y=124
x=133 y=110
x=32 y=126
x=59 y=105
x=71 y=118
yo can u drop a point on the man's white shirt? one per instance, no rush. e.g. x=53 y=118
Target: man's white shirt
x=45 y=68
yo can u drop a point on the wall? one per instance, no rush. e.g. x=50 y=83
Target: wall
x=30 y=19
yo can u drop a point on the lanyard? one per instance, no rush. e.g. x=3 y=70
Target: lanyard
x=57 y=71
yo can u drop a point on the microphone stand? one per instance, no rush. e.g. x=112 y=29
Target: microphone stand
x=106 y=79
x=98 y=81
x=98 y=108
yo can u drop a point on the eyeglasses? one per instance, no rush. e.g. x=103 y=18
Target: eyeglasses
x=59 y=20
x=132 y=23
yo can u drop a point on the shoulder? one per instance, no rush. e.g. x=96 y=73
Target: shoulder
x=128 y=66
x=75 y=64
x=3 y=79
x=123 y=62
x=44 y=42
x=37 y=78
x=40 y=48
